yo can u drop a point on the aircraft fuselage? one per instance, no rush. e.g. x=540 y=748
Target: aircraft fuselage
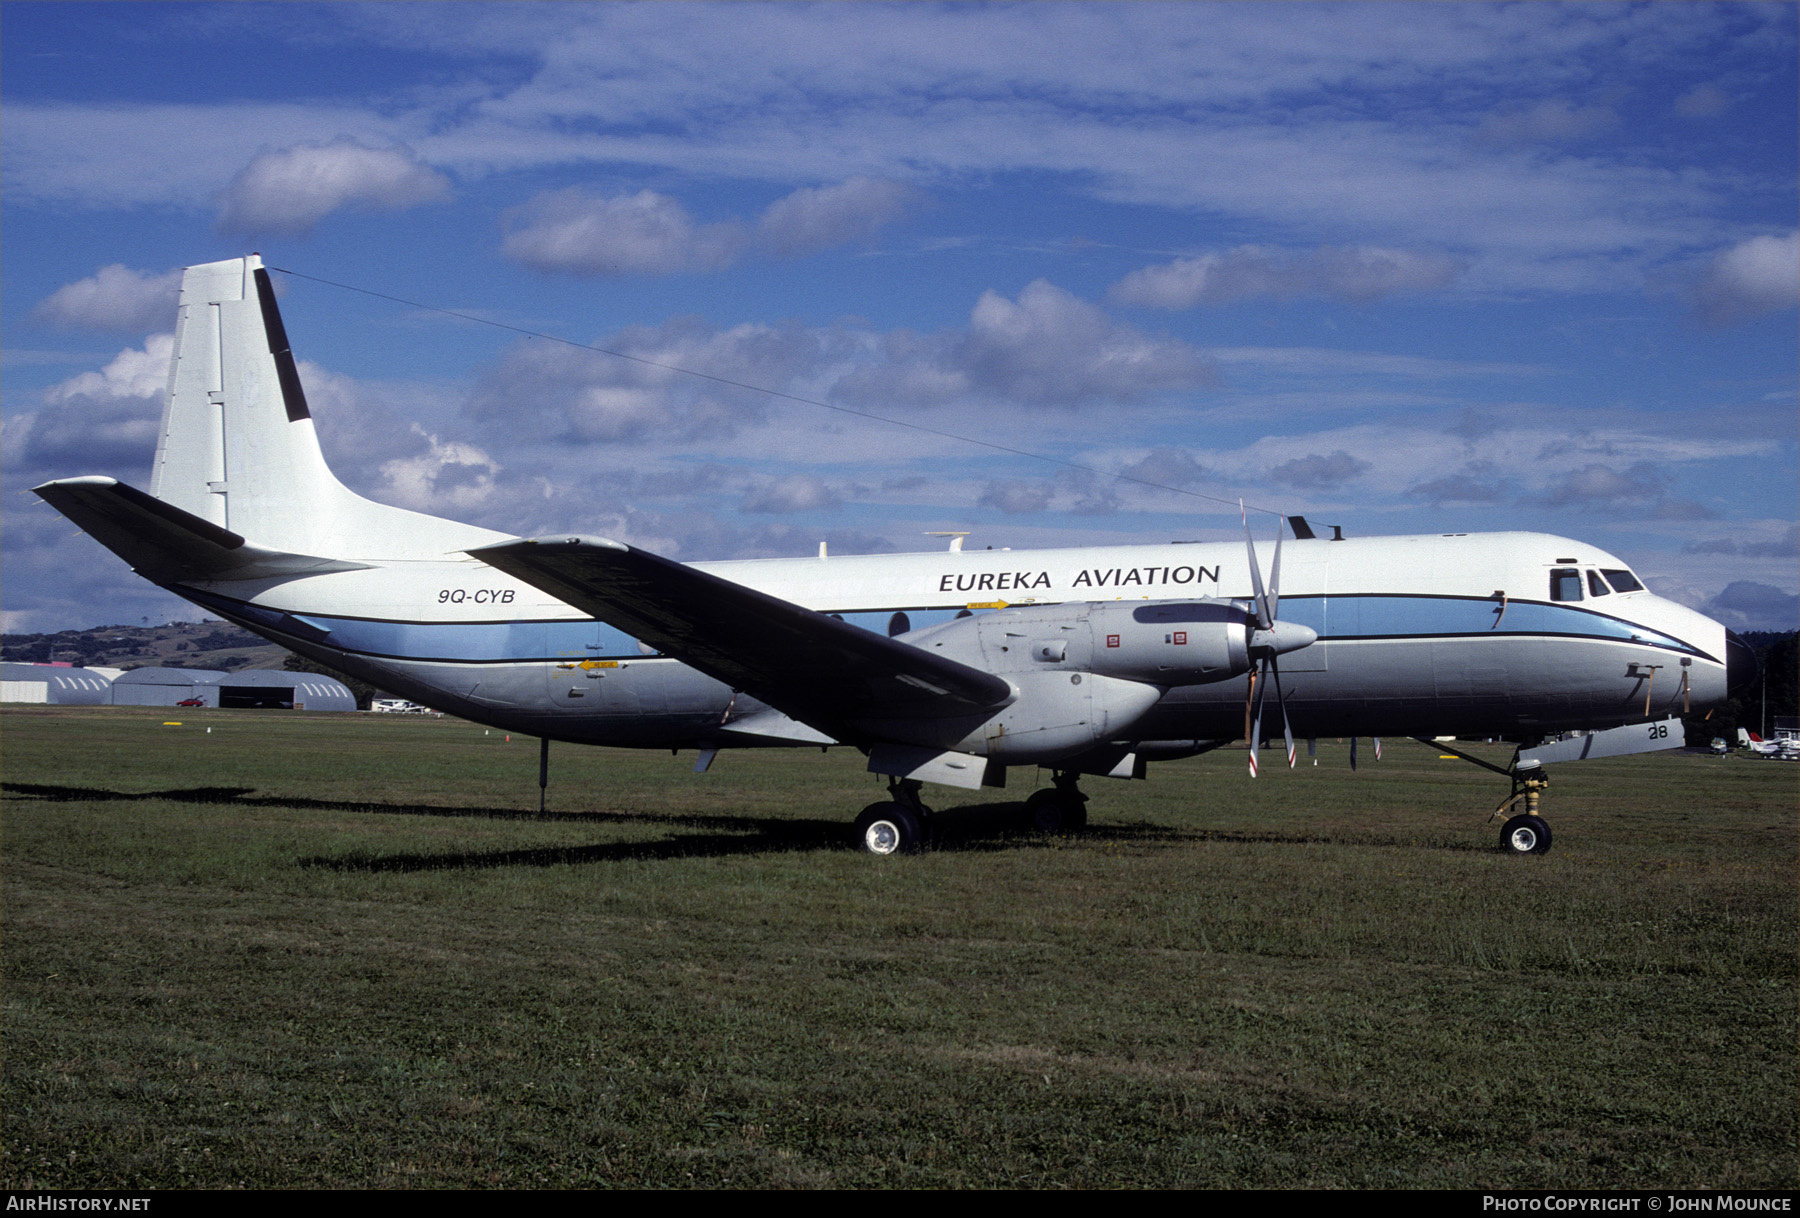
x=1511 y=634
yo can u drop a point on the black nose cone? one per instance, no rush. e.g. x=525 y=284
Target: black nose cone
x=1740 y=664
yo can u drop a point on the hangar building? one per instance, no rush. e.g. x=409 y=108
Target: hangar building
x=251 y=689
x=54 y=685
x=166 y=686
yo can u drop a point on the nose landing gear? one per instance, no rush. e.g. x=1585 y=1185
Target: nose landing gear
x=1526 y=833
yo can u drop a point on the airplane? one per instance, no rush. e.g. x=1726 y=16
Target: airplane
x=1786 y=749
x=948 y=667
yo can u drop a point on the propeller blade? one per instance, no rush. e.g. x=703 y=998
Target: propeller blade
x=1353 y=754
x=1275 y=579
x=1249 y=697
x=1287 y=731
x=1256 y=728
x=1264 y=619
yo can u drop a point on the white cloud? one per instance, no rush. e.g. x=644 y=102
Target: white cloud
x=1642 y=486
x=1751 y=278
x=1047 y=348
x=816 y=218
x=1549 y=121
x=136 y=372
x=1051 y=346
x=112 y=298
x=1013 y=496
x=1747 y=605
x=1174 y=467
x=1331 y=364
x=1353 y=125
x=542 y=392
x=794 y=493
x=117 y=154
x=1315 y=472
x=1356 y=273
x=449 y=476
x=580 y=233
x=1758 y=539
x=103 y=420
x=1477 y=482
x=292 y=190
x=1703 y=101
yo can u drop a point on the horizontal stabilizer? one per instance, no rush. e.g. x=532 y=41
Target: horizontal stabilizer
x=165 y=544
x=809 y=665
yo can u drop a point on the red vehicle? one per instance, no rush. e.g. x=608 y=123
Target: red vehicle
x=191 y=702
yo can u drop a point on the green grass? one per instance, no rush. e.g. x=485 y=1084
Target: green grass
x=344 y=950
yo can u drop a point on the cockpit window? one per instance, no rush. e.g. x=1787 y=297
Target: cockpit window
x=1623 y=581
x=1565 y=584
x=1596 y=585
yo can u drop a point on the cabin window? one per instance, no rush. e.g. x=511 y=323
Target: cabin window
x=1565 y=584
x=1623 y=581
x=1596 y=585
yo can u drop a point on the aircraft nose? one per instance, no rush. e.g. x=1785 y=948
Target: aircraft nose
x=1741 y=668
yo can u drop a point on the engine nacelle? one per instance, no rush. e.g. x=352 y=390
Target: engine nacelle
x=1171 y=642
x=1060 y=714
x=1085 y=672
x=1162 y=643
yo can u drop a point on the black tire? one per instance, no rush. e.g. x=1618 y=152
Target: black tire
x=889 y=828
x=1526 y=835
x=1053 y=811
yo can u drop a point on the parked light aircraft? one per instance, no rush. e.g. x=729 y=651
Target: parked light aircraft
x=947 y=667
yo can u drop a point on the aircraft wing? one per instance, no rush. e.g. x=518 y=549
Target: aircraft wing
x=165 y=544
x=808 y=665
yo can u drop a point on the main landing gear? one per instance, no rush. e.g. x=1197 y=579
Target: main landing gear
x=1061 y=808
x=895 y=826
x=901 y=824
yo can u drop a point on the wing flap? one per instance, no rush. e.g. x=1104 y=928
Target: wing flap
x=809 y=665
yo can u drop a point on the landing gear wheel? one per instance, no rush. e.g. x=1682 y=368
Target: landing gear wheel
x=889 y=828
x=1053 y=810
x=1526 y=835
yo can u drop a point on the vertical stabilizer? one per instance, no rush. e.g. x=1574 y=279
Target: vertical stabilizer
x=237 y=446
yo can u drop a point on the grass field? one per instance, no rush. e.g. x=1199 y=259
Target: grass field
x=345 y=950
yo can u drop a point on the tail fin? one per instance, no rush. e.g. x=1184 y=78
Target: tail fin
x=237 y=447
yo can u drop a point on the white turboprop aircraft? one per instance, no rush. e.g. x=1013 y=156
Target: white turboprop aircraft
x=945 y=667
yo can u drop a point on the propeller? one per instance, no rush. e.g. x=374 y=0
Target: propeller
x=1270 y=638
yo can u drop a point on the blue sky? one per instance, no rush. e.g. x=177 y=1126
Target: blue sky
x=1400 y=267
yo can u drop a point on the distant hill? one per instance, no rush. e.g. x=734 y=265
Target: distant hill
x=212 y=644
